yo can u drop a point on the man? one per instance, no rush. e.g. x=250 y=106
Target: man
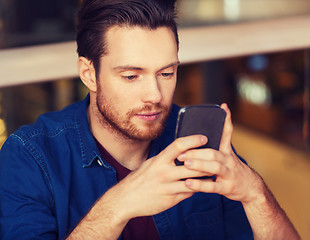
x=104 y=168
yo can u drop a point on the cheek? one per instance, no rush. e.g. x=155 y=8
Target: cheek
x=168 y=89
x=116 y=92
x=124 y=99
x=110 y=96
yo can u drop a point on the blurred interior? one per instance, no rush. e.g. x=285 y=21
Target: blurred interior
x=268 y=92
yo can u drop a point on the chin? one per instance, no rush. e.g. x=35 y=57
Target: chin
x=149 y=134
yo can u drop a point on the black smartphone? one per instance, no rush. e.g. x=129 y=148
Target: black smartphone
x=205 y=119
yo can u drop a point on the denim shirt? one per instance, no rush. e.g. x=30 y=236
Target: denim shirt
x=51 y=174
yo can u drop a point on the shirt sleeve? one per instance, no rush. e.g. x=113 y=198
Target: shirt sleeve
x=237 y=225
x=26 y=198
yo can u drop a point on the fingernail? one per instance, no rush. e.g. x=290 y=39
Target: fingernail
x=225 y=106
x=181 y=156
x=188 y=183
x=204 y=139
x=188 y=163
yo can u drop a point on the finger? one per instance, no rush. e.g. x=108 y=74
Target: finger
x=207 y=186
x=184 y=173
x=176 y=173
x=207 y=154
x=176 y=187
x=225 y=145
x=213 y=167
x=180 y=145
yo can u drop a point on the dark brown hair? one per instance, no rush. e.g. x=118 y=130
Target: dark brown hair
x=95 y=17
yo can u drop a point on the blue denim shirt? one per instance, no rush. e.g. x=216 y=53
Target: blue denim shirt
x=51 y=174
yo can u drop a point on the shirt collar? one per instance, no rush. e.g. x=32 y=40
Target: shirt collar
x=89 y=149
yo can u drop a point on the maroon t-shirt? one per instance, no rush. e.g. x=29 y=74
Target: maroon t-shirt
x=140 y=228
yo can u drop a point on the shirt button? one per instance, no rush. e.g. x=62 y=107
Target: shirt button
x=98 y=161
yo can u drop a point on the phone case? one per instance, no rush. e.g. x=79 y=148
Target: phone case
x=204 y=119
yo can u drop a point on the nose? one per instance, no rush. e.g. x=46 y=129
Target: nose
x=151 y=92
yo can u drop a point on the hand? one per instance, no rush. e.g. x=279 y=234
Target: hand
x=234 y=179
x=156 y=185
x=237 y=181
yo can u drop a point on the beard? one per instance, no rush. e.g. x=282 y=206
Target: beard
x=123 y=125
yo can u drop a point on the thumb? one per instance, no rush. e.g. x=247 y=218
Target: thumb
x=225 y=145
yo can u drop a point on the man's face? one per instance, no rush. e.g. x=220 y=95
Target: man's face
x=137 y=81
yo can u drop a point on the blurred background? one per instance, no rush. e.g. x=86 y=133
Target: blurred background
x=252 y=54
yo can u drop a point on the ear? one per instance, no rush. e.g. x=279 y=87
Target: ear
x=87 y=73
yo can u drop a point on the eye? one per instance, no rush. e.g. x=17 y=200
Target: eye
x=130 y=77
x=166 y=75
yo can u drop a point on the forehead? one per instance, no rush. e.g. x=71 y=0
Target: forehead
x=140 y=46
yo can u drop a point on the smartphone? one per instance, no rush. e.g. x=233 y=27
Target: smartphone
x=206 y=119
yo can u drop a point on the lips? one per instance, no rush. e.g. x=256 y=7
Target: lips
x=149 y=116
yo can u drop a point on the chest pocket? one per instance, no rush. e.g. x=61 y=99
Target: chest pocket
x=206 y=225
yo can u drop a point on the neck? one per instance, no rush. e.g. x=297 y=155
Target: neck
x=129 y=153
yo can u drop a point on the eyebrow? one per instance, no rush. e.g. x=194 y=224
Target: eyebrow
x=129 y=67
x=170 y=65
